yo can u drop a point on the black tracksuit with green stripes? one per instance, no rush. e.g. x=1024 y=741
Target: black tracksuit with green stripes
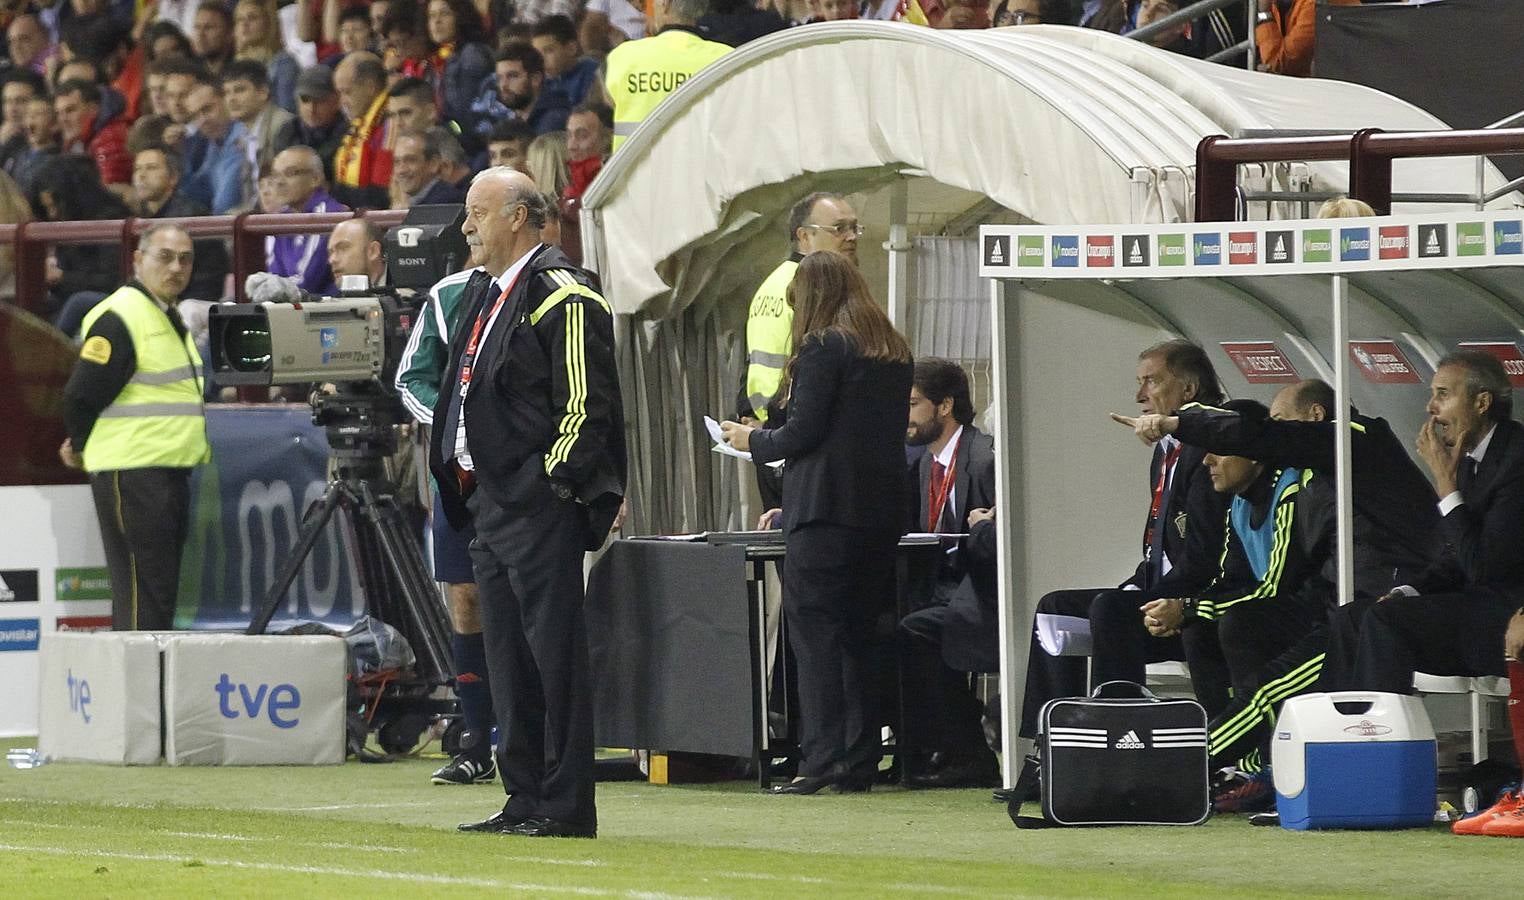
x=1271 y=617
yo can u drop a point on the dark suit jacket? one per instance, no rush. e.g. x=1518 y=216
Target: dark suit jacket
x=439 y=193
x=974 y=480
x=971 y=630
x=1192 y=515
x=843 y=438
x=1484 y=536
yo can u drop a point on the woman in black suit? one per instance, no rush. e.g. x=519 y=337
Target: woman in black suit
x=846 y=392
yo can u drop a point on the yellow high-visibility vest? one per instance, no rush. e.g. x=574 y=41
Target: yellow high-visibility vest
x=642 y=73
x=769 y=337
x=158 y=419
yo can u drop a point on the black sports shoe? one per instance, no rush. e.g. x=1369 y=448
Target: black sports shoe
x=465 y=770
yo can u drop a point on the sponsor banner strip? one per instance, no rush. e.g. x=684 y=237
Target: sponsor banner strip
x=1216 y=249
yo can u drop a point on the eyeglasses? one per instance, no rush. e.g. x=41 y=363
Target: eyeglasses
x=842 y=231
x=165 y=257
x=292 y=173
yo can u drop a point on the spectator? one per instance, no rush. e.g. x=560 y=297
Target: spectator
x=514 y=91
x=405 y=35
x=69 y=189
x=362 y=167
x=156 y=175
x=1285 y=32
x=224 y=180
x=410 y=106
x=180 y=13
x=109 y=48
x=838 y=10
x=589 y=136
x=642 y=73
x=608 y=23
x=454 y=166
x=1029 y=12
x=456 y=29
x=734 y=22
x=355 y=248
x=355 y=35
x=152 y=130
x=14 y=210
x=548 y=163
x=256 y=36
x=19 y=86
x=87 y=128
x=246 y=92
x=180 y=77
x=529 y=13
x=163 y=39
x=155 y=102
x=963 y=14
x=319 y=122
x=299 y=185
x=269 y=202
x=378 y=11
x=508 y=145
x=212 y=35
x=28 y=44
x=568 y=75
x=417 y=165
x=41 y=125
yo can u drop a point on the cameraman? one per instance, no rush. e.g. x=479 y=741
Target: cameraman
x=418 y=378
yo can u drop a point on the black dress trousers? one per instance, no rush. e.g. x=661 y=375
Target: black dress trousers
x=144 y=517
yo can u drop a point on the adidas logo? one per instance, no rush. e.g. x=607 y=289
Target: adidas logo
x=1130 y=741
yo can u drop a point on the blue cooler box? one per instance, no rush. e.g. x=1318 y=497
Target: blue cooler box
x=1354 y=760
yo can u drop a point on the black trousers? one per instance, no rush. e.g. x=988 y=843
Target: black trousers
x=528 y=567
x=837 y=583
x=1122 y=648
x=144 y=517
x=943 y=713
x=1441 y=634
x=1241 y=733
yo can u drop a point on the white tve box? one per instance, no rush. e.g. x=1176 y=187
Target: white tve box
x=99 y=697
x=234 y=699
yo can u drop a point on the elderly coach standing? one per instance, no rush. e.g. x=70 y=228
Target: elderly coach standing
x=530 y=441
x=136 y=423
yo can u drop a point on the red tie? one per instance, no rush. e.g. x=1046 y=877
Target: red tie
x=936 y=495
x=1153 y=509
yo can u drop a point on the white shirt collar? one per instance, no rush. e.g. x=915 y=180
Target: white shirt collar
x=505 y=280
x=1480 y=450
x=950 y=449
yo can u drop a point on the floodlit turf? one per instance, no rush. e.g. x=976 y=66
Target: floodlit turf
x=365 y=830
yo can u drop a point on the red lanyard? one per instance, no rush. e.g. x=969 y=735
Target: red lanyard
x=468 y=359
x=936 y=494
x=1153 y=509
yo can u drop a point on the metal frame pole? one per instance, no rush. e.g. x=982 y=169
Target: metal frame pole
x=1342 y=437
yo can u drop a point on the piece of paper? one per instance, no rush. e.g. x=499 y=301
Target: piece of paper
x=1063 y=635
x=725 y=449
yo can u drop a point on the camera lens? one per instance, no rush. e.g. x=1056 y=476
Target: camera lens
x=247 y=349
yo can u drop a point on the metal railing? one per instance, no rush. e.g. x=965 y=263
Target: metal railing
x=247 y=233
x=1197 y=10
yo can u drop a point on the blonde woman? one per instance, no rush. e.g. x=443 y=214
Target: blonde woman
x=257 y=36
x=548 y=162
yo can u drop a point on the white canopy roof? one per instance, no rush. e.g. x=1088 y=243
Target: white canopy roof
x=1059 y=125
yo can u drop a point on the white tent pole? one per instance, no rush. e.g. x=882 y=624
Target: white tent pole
x=1014 y=608
x=898 y=246
x=1345 y=518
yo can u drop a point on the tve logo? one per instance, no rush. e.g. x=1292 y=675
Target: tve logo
x=79 y=695
x=328 y=338
x=1066 y=251
x=19 y=634
x=1208 y=249
x=1508 y=238
x=1354 y=244
x=275 y=701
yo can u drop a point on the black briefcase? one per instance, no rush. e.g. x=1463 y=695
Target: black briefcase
x=1123 y=757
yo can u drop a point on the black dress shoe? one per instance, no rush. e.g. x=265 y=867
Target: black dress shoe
x=809 y=784
x=960 y=775
x=498 y=823
x=854 y=784
x=539 y=826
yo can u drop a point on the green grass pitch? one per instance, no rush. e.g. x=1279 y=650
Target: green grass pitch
x=69 y=830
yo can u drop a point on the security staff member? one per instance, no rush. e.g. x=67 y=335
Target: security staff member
x=821 y=221
x=640 y=74
x=419 y=374
x=529 y=443
x=135 y=421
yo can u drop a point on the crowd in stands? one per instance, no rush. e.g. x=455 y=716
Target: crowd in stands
x=402 y=102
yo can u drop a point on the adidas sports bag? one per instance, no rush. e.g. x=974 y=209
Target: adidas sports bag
x=1123 y=757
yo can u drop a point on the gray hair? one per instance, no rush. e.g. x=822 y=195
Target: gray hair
x=446 y=146
x=314 y=161
x=1484 y=374
x=158 y=228
x=534 y=202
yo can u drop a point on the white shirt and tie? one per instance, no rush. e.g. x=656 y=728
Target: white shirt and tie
x=503 y=284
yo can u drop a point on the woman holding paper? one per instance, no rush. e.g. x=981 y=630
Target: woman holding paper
x=846 y=390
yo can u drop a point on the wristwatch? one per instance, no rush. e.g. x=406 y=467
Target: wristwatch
x=1262 y=17
x=561 y=489
x=1188 y=607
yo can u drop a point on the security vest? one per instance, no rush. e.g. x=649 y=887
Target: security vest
x=158 y=418
x=769 y=337
x=642 y=73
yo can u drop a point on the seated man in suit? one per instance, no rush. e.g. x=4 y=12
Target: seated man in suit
x=1182 y=542
x=952 y=634
x=1451 y=620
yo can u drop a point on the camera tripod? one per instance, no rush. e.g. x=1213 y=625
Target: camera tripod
x=398 y=587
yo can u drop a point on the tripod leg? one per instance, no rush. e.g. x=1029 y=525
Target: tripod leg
x=414 y=587
x=318 y=515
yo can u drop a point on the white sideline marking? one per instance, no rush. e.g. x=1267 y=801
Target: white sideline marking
x=331 y=845
x=352 y=873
